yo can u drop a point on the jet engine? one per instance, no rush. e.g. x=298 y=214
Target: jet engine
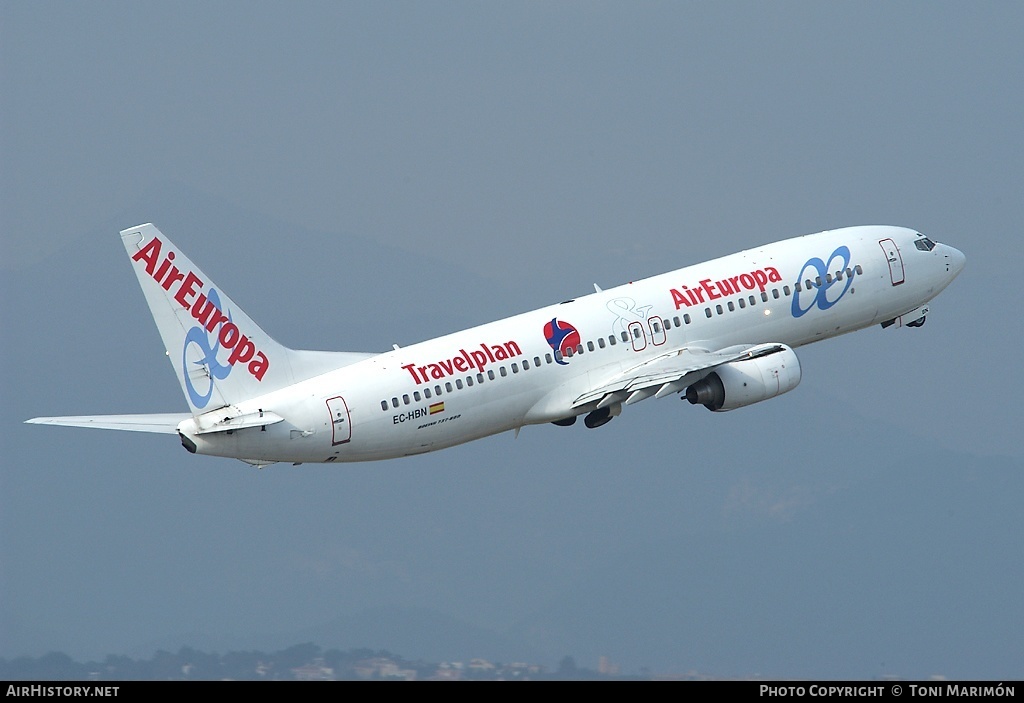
x=746 y=382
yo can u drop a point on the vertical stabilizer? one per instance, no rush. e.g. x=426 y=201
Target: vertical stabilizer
x=220 y=355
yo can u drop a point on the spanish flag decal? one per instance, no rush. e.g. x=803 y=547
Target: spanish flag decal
x=436 y=408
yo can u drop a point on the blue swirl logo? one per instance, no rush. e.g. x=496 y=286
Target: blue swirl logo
x=821 y=297
x=215 y=370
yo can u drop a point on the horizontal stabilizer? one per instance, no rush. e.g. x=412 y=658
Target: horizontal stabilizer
x=162 y=423
x=239 y=422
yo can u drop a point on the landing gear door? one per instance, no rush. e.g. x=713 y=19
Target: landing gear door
x=892 y=255
x=341 y=422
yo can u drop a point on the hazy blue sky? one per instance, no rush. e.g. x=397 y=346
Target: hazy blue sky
x=359 y=174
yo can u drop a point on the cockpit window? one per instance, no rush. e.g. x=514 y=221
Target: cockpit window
x=924 y=244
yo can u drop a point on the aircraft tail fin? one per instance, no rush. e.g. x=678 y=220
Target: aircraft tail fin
x=220 y=355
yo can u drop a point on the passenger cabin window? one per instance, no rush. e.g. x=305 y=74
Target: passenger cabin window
x=394 y=402
x=731 y=306
x=383 y=405
x=858 y=269
x=707 y=312
x=686 y=318
x=625 y=337
x=426 y=392
x=590 y=346
x=458 y=382
x=600 y=342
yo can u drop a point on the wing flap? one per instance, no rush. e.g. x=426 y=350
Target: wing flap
x=161 y=423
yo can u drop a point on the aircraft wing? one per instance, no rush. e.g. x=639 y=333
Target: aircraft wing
x=669 y=373
x=164 y=423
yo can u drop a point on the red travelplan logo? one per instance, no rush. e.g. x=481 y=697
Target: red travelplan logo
x=562 y=338
x=475 y=359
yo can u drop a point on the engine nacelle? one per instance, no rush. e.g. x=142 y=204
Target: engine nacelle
x=741 y=383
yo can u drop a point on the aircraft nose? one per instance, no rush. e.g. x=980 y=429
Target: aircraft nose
x=957 y=260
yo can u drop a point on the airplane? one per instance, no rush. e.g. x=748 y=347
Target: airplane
x=719 y=334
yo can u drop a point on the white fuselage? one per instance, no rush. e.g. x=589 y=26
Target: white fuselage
x=518 y=371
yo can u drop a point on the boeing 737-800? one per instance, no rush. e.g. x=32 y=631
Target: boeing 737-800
x=720 y=333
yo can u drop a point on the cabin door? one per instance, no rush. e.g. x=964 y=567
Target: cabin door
x=341 y=423
x=892 y=255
